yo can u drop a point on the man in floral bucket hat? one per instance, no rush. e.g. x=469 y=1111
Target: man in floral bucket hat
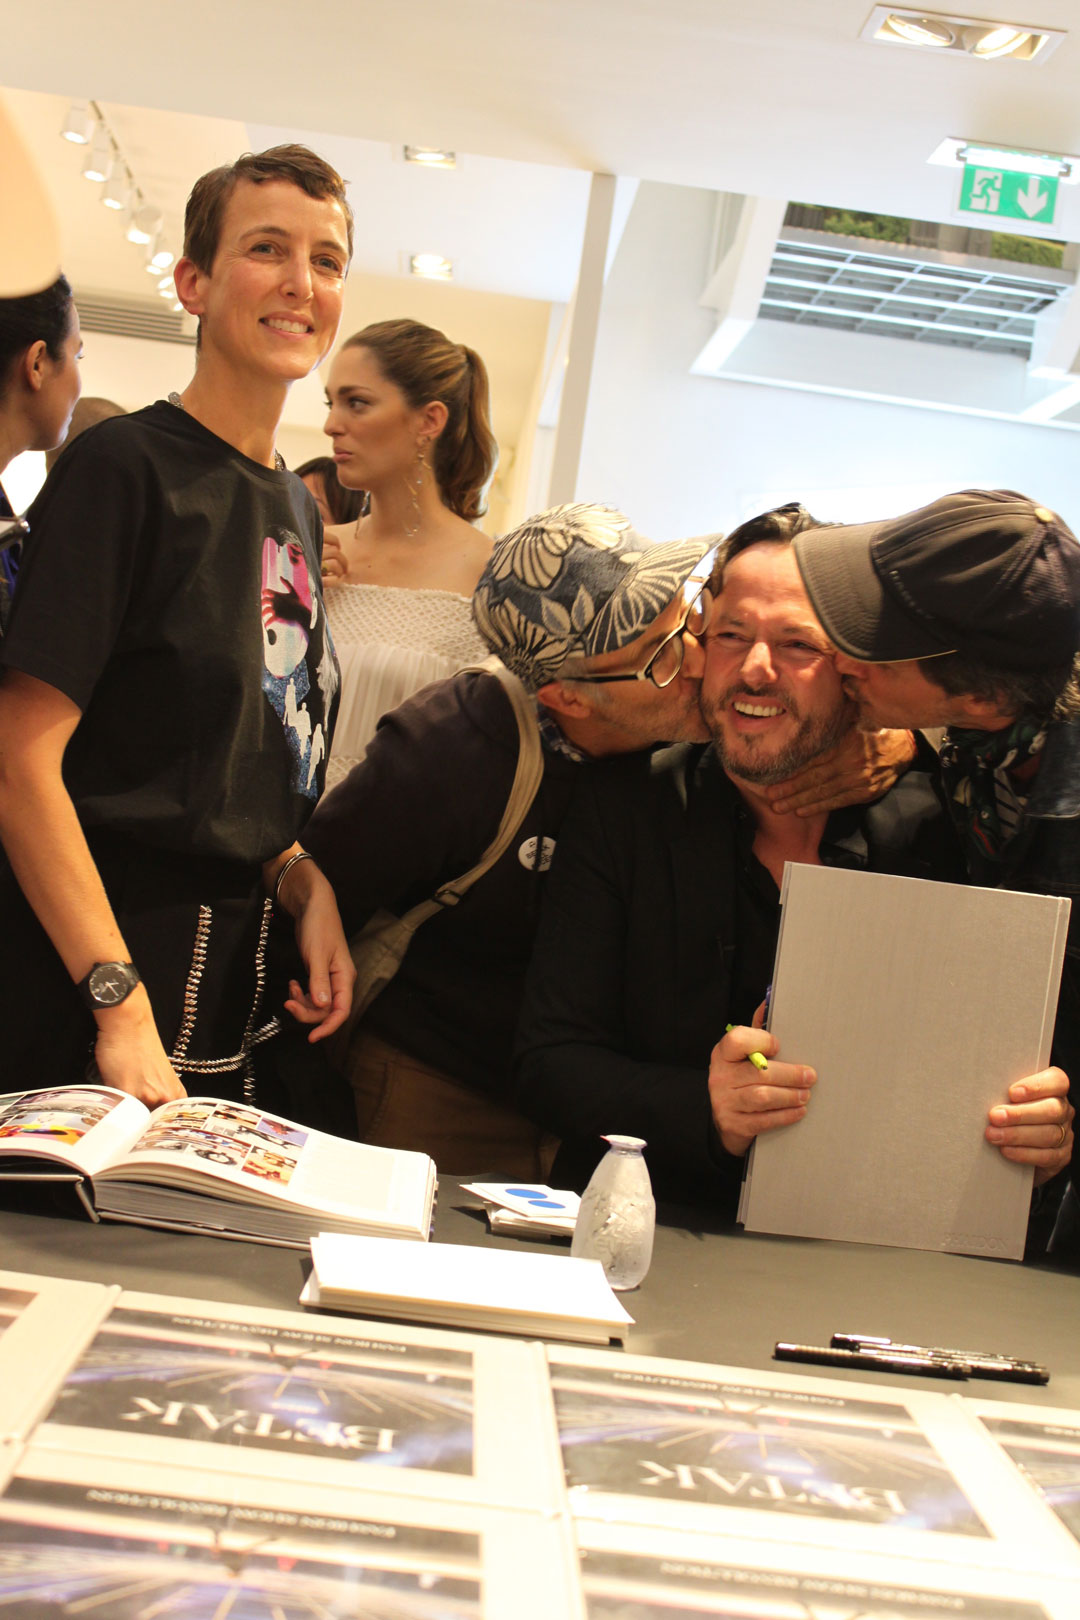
x=601 y=626
x=578 y=583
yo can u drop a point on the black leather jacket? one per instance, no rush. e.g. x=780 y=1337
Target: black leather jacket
x=1044 y=858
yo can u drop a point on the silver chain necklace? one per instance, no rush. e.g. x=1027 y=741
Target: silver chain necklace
x=279 y=459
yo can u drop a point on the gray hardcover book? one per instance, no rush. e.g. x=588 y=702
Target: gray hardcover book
x=918 y=1004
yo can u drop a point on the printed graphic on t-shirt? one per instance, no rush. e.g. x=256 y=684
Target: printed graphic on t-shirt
x=290 y=612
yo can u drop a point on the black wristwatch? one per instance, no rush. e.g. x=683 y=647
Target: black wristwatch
x=108 y=984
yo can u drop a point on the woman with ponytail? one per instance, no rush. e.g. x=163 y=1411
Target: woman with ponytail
x=408 y=417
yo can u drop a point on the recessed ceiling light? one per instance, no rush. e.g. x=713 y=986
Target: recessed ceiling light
x=960 y=36
x=432 y=157
x=78 y=126
x=990 y=42
x=432 y=265
x=915 y=31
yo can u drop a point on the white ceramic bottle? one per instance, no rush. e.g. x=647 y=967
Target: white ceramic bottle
x=617 y=1218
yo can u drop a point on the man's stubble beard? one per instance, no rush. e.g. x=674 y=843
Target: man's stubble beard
x=813 y=738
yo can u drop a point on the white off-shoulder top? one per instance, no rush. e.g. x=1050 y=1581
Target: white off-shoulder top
x=390 y=642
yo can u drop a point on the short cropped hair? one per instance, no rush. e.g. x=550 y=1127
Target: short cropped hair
x=1043 y=694
x=299 y=165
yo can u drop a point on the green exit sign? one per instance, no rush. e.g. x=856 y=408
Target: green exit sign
x=1008 y=194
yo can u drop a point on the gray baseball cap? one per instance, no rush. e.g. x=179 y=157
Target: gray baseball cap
x=983 y=572
x=576 y=582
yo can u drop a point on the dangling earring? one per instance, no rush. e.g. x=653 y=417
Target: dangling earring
x=414 y=481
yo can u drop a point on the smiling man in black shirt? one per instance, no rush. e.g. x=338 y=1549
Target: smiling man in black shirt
x=662 y=909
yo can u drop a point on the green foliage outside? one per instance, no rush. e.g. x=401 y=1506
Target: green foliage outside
x=878 y=227
x=1026 y=249
x=890 y=228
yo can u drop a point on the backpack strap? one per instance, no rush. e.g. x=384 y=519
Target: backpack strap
x=523 y=790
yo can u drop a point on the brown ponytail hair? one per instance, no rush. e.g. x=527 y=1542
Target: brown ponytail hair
x=426 y=366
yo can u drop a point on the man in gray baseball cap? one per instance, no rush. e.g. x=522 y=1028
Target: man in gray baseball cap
x=965 y=614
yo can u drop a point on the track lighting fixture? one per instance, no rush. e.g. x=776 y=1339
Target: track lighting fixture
x=99 y=159
x=78 y=126
x=144 y=224
x=86 y=125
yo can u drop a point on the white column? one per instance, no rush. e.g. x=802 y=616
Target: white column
x=581 y=348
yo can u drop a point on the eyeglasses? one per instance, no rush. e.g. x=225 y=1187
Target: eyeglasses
x=667 y=660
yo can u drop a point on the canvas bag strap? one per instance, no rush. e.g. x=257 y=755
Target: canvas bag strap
x=527 y=778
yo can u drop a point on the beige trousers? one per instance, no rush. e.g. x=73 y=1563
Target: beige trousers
x=403 y=1103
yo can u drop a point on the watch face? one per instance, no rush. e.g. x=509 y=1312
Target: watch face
x=110 y=982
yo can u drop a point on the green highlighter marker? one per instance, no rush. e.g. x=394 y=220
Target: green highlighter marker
x=756 y=1058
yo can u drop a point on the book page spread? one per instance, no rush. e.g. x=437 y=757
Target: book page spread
x=84 y=1127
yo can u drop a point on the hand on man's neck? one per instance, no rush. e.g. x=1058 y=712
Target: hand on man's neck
x=779 y=838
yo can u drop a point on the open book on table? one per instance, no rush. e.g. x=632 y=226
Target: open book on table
x=220 y=1168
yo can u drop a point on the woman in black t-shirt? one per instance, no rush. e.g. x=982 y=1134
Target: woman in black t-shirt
x=154 y=772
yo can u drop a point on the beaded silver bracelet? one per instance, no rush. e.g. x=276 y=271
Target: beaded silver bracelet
x=301 y=855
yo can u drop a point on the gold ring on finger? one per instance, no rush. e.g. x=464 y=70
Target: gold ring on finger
x=1061 y=1139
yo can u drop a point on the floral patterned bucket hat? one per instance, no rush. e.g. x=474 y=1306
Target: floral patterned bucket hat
x=576 y=582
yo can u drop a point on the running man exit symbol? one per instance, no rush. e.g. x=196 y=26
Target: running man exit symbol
x=985 y=192
x=1008 y=194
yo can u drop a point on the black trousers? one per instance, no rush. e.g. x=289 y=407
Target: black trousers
x=215 y=969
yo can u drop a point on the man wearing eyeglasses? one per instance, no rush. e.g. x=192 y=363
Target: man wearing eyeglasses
x=601 y=627
x=662 y=910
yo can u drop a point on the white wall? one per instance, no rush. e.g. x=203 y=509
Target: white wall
x=683 y=454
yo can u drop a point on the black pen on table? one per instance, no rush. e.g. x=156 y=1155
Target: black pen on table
x=875 y=1358
x=983 y=1363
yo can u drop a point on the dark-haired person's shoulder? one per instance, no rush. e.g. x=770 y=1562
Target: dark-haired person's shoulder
x=644 y=772
x=473 y=704
x=117 y=441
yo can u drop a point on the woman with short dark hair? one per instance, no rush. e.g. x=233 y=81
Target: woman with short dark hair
x=40 y=345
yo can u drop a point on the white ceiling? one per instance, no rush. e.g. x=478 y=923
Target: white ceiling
x=775 y=98
x=770 y=97
x=509 y=227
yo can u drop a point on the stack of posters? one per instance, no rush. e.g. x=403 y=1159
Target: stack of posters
x=856 y=1467
x=238 y=1390
x=44 y=1323
x=628 y=1573
x=128 y=1541
x=196 y=1459
x=1044 y=1445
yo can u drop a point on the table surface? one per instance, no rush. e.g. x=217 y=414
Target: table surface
x=714 y=1295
